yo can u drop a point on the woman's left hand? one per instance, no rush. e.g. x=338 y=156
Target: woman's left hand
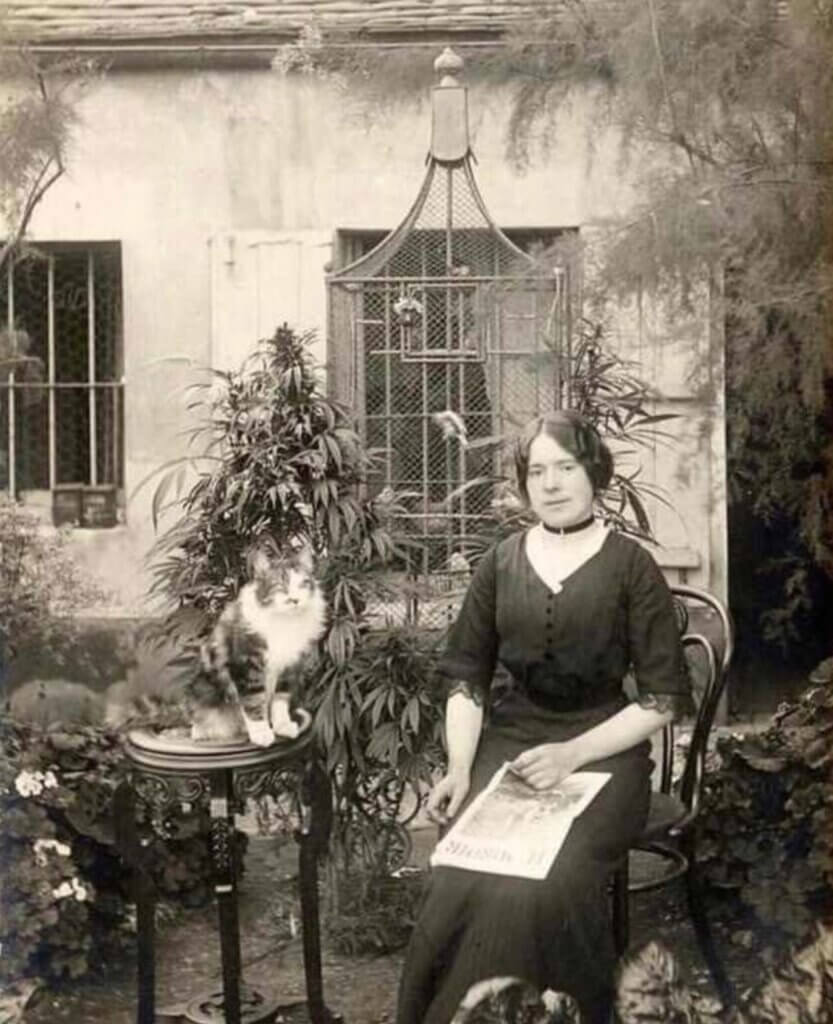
x=545 y=766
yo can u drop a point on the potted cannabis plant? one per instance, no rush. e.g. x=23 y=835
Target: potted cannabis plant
x=283 y=459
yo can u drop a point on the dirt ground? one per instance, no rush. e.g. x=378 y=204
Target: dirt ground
x=362 y=989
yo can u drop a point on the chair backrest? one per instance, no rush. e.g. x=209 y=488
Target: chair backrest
x=707 y=635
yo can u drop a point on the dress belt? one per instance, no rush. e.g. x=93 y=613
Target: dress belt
x=570 y=697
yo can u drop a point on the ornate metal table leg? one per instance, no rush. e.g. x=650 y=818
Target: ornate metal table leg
x=225 y=888
x=135 y=853
x=316 y=815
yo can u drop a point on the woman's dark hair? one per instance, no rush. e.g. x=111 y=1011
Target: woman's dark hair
x=577 y=436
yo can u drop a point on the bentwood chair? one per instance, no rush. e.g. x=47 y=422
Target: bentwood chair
x=666 y=850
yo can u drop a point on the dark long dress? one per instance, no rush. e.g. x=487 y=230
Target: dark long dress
x=567 y=654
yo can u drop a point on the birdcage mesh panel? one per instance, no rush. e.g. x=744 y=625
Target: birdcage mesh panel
x=447 y=234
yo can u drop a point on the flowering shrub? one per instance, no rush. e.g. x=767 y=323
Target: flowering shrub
x=41 y=586
x=46 y=900
x=64 y=891
x=767 y=823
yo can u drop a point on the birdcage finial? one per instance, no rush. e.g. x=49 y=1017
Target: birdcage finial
x=449 y=64
x=450 y=128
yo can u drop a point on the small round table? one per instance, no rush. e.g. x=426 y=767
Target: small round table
x=165 y=771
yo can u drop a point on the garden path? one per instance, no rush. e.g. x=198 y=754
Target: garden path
x=361 y=988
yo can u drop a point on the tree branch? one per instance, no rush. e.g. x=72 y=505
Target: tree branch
x=51 y=170
x=39 y=189
x=678 y=135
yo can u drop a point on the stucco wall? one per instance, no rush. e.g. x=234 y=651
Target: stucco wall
x=225 y=189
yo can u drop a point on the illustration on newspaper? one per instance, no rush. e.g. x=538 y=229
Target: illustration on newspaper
x=512 y=829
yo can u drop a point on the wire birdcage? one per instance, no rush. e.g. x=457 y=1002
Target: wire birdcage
x=445 y=339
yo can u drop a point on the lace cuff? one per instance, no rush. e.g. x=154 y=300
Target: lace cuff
x=679 y=704
x=474 y=693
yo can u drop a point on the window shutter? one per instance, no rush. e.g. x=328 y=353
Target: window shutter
x=261 y=279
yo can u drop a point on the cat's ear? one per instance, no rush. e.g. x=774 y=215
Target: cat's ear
x=303 y=556
x=258 y=560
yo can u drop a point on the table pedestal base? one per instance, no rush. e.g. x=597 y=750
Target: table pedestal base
x=224 y=779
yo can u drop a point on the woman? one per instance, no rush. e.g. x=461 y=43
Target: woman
x=567 y=607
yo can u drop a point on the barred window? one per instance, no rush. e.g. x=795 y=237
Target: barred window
x=61 y=370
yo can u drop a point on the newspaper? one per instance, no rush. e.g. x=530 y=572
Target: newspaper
x=512 y=829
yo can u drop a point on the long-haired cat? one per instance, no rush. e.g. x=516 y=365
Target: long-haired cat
x=797 y=990
x=651 y=989
x=242 y=689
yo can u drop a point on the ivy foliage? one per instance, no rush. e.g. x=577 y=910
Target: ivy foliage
x=767 y=821
x=722 y=111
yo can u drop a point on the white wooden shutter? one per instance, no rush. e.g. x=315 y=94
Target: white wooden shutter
x=261 y=279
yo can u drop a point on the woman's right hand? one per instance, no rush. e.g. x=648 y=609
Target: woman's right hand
x=445 y=798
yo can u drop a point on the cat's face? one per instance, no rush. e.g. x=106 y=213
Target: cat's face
x=508 y=1000
x=282 y=581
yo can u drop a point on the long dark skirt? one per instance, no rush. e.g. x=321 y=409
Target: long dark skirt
x=556 y=932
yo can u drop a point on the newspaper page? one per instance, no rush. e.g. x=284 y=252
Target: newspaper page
x=512 y=829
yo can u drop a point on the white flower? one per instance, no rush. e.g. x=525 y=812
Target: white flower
x=34 y=783
x=42 y=845
x=63 y=890
x=71 y=888
x=28 y=784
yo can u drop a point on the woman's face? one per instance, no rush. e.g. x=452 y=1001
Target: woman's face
x=560 y=491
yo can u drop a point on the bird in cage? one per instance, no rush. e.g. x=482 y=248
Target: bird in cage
x=452 y=426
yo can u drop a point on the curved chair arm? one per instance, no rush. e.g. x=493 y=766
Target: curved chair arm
x=716 y=605
x=691 y=783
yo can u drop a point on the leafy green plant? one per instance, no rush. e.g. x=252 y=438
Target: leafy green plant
x=41 y=586
x=767 y=823
x=607 y=390
x=36 y=123
x=64 y=890
x=376 y=912
x=720 y=111
x=277 y=457
x=280 y=458
x=380 y=719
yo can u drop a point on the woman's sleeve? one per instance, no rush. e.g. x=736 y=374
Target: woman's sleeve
x=471 y=647
x=656 y=653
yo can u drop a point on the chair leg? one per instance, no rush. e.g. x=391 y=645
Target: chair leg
x=621 y=924
x=697 y=910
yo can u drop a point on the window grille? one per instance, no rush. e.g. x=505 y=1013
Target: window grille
x=61 y=370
